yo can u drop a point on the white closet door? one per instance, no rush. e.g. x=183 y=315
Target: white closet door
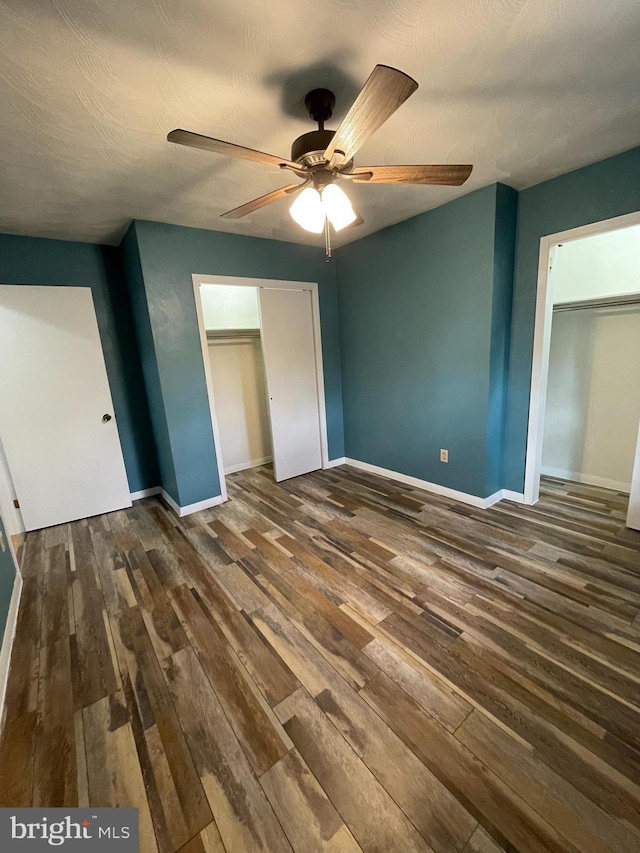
x=290 y=367
x=65 y=460
x=633 y=515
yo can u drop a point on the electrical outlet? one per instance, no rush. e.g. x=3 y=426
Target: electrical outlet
x=444 y=455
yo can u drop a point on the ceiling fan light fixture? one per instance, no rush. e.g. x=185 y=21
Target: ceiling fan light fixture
x=337 y=207
x=308 y=211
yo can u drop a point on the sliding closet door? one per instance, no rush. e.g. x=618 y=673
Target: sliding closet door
x=633 y=515
x=290 y=366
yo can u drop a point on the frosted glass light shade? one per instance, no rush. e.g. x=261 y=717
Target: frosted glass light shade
x=337 y=207
x=308 y=211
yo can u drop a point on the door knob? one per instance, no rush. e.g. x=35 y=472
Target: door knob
x=106 y=419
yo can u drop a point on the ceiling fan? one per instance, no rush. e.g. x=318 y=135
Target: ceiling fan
x=324 y=158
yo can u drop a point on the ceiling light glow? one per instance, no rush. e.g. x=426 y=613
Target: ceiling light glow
x=311 y=207
x=308 y=211
x=337 y=207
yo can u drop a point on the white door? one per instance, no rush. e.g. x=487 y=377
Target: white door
x=56 y=416
x=288 y=346
x=633 y=513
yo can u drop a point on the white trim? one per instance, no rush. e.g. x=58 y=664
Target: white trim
x=181 y=511
x=333 y=463
x=145 y=493
x=243 y=466
x=7 y=642
x=446 y=492
x=514 y=497
x=587 y=479
x=204 y=345
x=542 y=341
x=493 y=499
x=322 y=408
x=278 y=284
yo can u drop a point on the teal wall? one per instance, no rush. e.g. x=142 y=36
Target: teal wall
x=168 y=335
x=600 y=191
x=31 y=260
x=424 y=319
x=7 y=578
x=503 y=261
x=430 y=327
x=132 y=267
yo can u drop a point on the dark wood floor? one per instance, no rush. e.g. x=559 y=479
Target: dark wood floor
x=337 y=663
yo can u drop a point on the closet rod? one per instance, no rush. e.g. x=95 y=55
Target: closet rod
x=218 y=334
x=616 y=302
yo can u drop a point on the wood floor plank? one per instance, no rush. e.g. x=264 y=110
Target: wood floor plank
x=482 y=842
x=249 y=719
x=163 y=626
x=93 y=672
x=429 y=691
x=242 y=813
x=429 y=805
x=55 y=770
x=338 y=663
x=17 y=760
x=564 y=807
x=271 y=675
x=497 y=806
x=147 y=681
x=207 y=841
x=22 y=682
x=114 y=774
x=304 y=810
x=347 y=781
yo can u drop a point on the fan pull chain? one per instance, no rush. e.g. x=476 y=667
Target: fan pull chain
x=327 y=239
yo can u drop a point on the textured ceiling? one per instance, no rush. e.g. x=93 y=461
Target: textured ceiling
x=523 y=89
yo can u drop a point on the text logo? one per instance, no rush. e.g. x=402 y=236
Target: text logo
x=36 y=830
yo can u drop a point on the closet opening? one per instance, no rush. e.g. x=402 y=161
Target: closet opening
x=263 y=366
x=585 y=395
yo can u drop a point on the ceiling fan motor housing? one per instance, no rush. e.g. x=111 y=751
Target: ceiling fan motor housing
x=309 y=148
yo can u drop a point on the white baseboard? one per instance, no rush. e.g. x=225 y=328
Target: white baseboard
x=587 y=479
x=446 y=492
x=7 y=643
x=334 y=463
x=181 y=511
x=514 y=497
x=243 y=466
x=145 y=493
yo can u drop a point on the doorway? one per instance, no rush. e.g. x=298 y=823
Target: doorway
x=583 y=422
x=263 y=365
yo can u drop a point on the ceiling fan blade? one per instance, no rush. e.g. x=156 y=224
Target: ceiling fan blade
x=257 y=203
x=385 y=90
x=229 y=149
x=448 y=176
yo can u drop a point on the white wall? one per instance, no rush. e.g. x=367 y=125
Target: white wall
x=237 y=371
x=227 y=306
x=598 y=266
x=593 y=396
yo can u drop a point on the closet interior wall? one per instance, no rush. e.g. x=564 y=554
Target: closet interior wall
x=235 y=355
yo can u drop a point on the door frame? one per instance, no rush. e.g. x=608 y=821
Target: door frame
x=277 y=284
x=542 y=341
